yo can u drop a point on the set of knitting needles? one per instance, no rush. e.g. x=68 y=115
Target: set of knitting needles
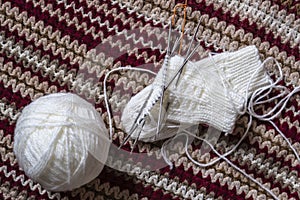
x=256 y=91
x=159 y=93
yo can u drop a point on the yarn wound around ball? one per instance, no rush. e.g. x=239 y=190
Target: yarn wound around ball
x=61 y=141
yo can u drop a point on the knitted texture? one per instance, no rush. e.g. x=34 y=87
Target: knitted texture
x=211 y=91
x=51 y=46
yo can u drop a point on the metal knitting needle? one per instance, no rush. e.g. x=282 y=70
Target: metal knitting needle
x=165 y=66
x=136 y=139
x=182 y=66
x=188 y=51
x=176 y=44
x=135 y=124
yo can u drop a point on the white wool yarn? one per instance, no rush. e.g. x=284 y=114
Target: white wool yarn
x=61 y=141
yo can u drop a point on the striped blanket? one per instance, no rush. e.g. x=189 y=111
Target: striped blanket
x=50 y=46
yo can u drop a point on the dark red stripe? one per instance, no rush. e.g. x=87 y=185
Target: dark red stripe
x=8 y=127
x=95 y=13
x=291 y=133
x=16 y=97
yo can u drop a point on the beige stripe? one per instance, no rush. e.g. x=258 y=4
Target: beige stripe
x=6 y=140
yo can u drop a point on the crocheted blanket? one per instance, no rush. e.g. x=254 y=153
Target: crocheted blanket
x=52 y=46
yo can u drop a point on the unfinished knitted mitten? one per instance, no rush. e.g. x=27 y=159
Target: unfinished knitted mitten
x=211 y=91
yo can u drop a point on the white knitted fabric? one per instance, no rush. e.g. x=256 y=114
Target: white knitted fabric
x=211 y=91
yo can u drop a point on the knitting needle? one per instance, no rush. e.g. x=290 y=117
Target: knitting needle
x=165 y=66
x=181 y=67
x=168 y=55
x=135 y=124
x=188 y=51
x=136 y=139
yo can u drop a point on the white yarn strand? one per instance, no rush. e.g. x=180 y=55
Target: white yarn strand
x=106 y=96
x=269 y=116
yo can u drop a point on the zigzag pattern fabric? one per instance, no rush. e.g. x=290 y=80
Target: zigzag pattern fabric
x=52 y=46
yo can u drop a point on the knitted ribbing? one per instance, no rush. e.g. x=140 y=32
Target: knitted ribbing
x=211 y=91
x=238 y=67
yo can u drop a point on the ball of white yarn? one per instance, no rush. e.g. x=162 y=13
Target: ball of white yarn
x=61 y=141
